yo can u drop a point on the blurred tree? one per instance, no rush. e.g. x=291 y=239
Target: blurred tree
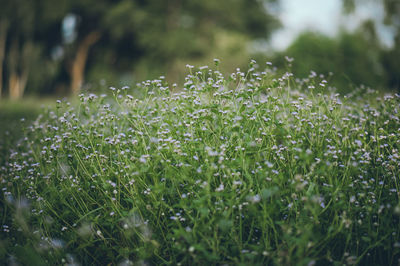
x=311 y=51
x=25 y=32
x=52 y=43
x=391 y=63
x=3 y=37
x=390 y=56
x=19 y=41
x=158 y=35
x=351 y=57
x=361 y=58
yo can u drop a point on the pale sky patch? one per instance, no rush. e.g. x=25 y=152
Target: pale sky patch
x=324 y=16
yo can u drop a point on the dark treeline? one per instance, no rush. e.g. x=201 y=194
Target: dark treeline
x=61 y=47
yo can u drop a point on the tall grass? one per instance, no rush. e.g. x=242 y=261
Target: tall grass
x=250 y=168
x=14 y=115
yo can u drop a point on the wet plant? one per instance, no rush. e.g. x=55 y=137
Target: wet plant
x=253 y=167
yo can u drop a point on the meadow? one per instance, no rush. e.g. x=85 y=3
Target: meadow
x=253 y=168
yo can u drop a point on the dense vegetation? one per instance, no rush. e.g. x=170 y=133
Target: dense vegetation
x=14 y=116
x=250 y=168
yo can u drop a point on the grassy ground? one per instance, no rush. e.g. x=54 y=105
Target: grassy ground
x=252 y=168
x=11 y=115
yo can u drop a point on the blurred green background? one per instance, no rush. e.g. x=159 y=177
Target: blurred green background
x=63 y=47
x=51 y=49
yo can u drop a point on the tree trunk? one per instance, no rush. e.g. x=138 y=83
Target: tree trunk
x=14 y=86
x=17 y=84
x=3 y=38
x=13 y=62
x=19 y=67
x=77 y=70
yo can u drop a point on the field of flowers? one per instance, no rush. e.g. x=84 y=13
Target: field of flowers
x=252 y=168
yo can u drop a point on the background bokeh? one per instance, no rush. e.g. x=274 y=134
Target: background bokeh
x=58 y=48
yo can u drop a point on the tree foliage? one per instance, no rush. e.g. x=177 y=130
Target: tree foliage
x=117 y=38
x=351 y=58
x=389 y=57
x=357 y=58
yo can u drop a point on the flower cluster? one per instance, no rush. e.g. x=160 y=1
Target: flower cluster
x=253 y=167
